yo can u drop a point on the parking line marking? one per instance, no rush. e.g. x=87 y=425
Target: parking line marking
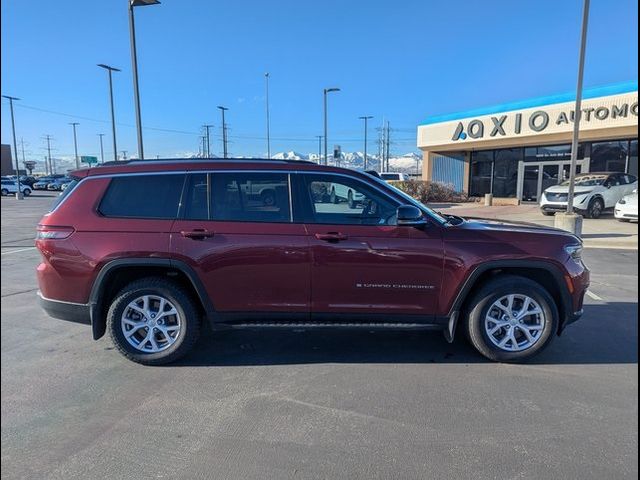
x=594 y=296
x=16 y=251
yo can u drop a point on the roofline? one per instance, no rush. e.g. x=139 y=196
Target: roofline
x=587 y=93
x=136 y=161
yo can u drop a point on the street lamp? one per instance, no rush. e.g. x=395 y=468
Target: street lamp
x=224 y=131
x=134 y=63
x=75 y=142
x=113 y=115
x=326 y=91
x=569 y=220
x=366 y=125
x=19 y=195
x=266 y=78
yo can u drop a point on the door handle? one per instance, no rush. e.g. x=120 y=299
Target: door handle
x=332 y=237
x=197 y=233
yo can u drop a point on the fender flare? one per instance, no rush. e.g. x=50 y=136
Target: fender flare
x=96 y=297
x=566 y=302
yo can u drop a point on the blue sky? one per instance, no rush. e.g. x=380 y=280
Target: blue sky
x=402 y=61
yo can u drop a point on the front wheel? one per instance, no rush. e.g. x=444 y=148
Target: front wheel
x=511 y=319
x=596 y=207
x=153 y=321
x=5 y=192
x=547 y=214
x=26 y=192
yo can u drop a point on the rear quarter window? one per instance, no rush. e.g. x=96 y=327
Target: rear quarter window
x=143 y=196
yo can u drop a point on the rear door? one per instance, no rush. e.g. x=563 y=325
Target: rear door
x=363 y=265
x=236 y=231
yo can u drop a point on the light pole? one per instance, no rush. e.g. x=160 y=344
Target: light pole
x=266 y=79
x=366 y=128
x=113 y=115
x=224 y=131
x=326 y=91
x=75 y=143
x=578 y=107
x=19 y=195
x=101 y=148
x=134 y=63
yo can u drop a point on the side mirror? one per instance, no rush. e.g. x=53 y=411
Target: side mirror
x=410 y=216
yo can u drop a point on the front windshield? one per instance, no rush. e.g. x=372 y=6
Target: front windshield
x=587 y=181
x=412 y=201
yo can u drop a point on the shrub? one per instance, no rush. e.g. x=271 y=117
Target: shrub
x=426 y=191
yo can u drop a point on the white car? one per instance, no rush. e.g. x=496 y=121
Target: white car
x=11 y=186
x=394 y=176
x=627 y=208
x=594 y=193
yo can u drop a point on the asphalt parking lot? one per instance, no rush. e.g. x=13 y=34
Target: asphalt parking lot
x=321 y=404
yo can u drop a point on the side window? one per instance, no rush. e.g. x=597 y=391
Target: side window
x=347 y=201
x=196 y=198
x=143 y=196
x=250 y=197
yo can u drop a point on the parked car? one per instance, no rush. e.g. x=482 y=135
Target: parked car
x=42 y=183
x=394 y=176
x=11 y=186
x=627 y=208
x=28 y=180
x=57 y=183
x=594 y=193
x=149 y=250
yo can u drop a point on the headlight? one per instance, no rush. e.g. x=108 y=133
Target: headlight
x=574 y=251
x=579 y=194
x=622 y=201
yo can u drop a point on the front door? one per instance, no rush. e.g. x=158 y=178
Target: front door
x=236 y=231
x=363 y=265
x=535 y=177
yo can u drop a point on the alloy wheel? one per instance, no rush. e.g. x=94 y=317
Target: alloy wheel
x=151 y=323
x=514 y=322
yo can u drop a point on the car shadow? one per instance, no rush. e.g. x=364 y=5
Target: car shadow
x=607 y=334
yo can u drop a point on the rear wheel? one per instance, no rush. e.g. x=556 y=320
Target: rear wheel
x=5 y=192
x=153 y=321
x=511 y=319
x=26 y=192
x=596 y=207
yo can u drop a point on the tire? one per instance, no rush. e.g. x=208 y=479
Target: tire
x=5 y=192
x=623 y=220
x=186 y=318
x=482 y=307
x=548 y=214
x=596 y=207
x=351 y=201
x=26 y=192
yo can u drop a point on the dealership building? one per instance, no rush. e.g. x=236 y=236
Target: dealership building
x=516 y=150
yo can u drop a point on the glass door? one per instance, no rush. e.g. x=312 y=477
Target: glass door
x=530 y=183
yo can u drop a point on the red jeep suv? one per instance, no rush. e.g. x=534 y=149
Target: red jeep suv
x=149 y=250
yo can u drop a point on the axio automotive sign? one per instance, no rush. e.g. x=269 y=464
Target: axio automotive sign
x=509 y=128
x=538 y=121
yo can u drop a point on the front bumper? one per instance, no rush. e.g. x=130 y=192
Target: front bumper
x=72 y=312
x=580 y=202
x=625 y=213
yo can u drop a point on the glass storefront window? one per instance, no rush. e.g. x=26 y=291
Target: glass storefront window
x=609 y=156
x=505 y=172
x=632 y=167
x=481 y=171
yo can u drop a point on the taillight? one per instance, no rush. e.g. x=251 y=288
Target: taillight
x=47 y=232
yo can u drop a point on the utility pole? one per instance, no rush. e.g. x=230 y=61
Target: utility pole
x=326 y=91
x=111 y=69
x=124 y=154
x=19 y=195
x=75 y=142
x=207 y=127
x=266 y=77
x=203 y=139
x=388 y=142
x=224 y=131
x=101 y=148
x=366 y=125
x=22 y=145
x=48 y=138
x=319 y=137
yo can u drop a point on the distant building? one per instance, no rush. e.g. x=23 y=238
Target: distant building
x=7 y=161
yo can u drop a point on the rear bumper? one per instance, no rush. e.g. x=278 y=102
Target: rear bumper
x=72 y=312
